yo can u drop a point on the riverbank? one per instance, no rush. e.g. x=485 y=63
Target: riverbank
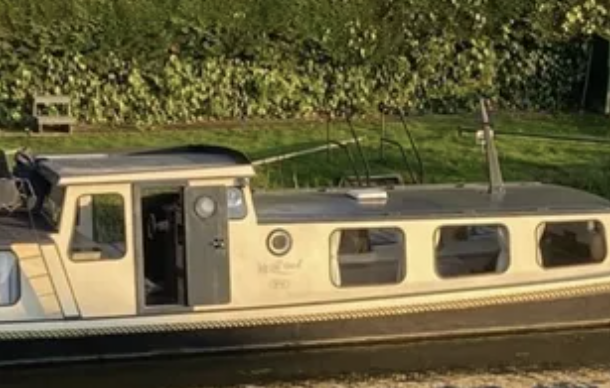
x=447 y=155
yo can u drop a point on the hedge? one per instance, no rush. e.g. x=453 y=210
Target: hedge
x=176 y=61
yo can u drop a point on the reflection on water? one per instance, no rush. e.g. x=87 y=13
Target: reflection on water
x=580 y=378
x=499 y=362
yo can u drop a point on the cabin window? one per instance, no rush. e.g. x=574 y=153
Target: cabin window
x=572 y=243
x=367 y=257
x=52 y=205
x=464 y=250
x=99 y=228
x=9 y=279
x=236 y=203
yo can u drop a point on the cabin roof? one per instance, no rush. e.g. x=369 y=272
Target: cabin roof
x=426 y=201
x=188 y=162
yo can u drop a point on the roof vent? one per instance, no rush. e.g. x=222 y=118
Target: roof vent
x=369 y=195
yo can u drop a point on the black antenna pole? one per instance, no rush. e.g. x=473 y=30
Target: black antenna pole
x=496 y=182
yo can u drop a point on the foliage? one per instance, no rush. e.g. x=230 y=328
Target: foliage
x=170 y=61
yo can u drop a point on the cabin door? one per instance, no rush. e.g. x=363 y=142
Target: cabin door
x=182 y=239
x=207 y=248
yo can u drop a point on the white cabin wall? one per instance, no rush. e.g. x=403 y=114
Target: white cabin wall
x=28 y=308
x=303 y=275
x=101 y=288
x=37 y=297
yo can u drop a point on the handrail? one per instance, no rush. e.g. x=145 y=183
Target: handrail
x=349 y=155
x=367 y=168
x=308 y=151
x=404 y=156
x=584 y=139
x=383 y=140
x=420 y=163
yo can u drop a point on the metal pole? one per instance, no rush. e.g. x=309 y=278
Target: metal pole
x=383 y=132
x=328 y=137
x=607 y=110
x=290 y=155
x=496 y=183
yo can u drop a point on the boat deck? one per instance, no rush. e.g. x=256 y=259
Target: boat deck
x=18 y=227
x=425 y=201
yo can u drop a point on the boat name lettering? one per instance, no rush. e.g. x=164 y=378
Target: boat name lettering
x=279 y=267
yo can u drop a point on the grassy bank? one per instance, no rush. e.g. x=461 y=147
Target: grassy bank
x=447 y=156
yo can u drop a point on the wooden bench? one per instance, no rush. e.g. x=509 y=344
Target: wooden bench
x=44 y=119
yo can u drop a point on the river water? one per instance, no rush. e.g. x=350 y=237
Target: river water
x=554 y=360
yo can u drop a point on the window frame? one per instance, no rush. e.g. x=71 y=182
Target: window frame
x=17 y=266
x=539 y=231
x=244 y=200
x=435 y=243
x=73 y=228
x=55 y=221
x=403 y=259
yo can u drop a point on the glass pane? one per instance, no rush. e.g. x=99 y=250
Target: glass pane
x=367 y=257
x=572 y=243
x=9 y=279
x=99 y=230
x=463 y=250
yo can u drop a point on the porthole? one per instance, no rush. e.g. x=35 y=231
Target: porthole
x=205 y=207
x=279 y=242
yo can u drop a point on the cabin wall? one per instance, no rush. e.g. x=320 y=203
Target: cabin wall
x=303 y=275
x=31 y=285
x=102 y=286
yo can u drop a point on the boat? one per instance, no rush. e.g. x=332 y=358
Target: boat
x=172 y=251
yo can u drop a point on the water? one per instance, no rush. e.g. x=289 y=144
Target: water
x=556 y=360
x=580 y=378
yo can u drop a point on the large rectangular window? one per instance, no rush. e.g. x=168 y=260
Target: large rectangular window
x=464 y=250
x=572 y=243
x=367 y=257
x=99 y=228
x=9 y=279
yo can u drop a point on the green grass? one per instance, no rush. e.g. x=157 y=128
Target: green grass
x=447 y=156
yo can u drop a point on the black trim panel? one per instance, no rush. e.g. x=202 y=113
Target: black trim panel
x=501 y=319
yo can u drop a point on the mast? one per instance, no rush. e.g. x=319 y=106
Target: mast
x=496 y=182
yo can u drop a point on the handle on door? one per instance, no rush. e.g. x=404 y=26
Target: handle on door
x=218 y=243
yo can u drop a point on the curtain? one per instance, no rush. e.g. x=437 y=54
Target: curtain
x=335 y=270
x=504 y=256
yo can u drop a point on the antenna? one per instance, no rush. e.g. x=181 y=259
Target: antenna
x=496 y=182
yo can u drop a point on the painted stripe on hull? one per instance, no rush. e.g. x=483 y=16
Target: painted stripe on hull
x=502 y=318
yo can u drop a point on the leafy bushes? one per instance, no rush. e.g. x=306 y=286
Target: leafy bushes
x=164 y=61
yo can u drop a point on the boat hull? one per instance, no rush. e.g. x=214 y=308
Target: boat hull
x=585 y=311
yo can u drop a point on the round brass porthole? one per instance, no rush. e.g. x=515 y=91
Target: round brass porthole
x=279 y=242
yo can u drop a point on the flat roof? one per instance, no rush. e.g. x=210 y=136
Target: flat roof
x=81 y=167
x=426 y=201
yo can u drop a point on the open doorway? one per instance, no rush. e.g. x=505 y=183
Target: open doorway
x=164 y=245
